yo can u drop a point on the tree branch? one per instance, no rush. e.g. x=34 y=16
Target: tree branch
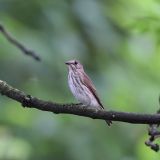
x=153 y=135
x=18 y=44
x=76 y=109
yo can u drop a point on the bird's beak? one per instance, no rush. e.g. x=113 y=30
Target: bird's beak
x=67 y=63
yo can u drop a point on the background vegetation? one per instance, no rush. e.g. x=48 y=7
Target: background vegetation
x=118 y=43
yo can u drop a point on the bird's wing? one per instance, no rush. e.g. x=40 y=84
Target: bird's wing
x=88 y=83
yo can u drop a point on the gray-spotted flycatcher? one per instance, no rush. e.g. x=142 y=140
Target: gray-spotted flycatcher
x=82 y=87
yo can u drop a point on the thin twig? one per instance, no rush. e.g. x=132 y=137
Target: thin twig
x=16 y=43
x=153 y=135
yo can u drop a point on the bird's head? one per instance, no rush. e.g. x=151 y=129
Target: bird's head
x=74 y=65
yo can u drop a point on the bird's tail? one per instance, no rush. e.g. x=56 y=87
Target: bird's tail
x=108 y=122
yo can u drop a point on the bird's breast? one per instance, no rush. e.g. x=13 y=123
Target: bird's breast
x=81 y=92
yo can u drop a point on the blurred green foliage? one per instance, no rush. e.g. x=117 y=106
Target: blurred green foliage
x=118 y=43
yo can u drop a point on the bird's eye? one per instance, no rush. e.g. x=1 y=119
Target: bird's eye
x=75 y=62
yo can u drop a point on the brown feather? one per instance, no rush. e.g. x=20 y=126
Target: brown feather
x=88 y=83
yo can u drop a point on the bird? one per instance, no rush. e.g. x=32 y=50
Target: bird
x=82 y=87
